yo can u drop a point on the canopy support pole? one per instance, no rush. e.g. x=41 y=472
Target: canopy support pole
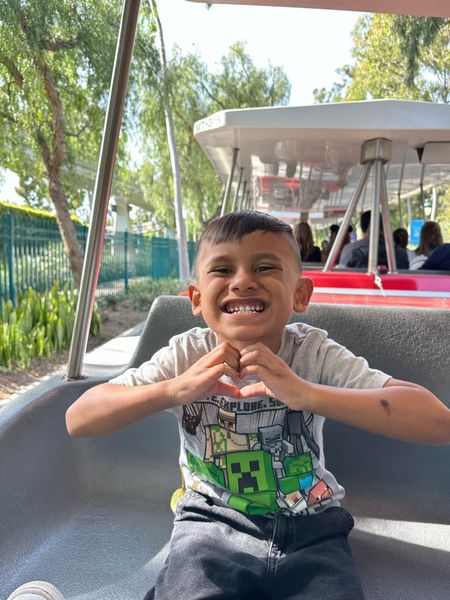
x=236 y=195
x=229 y=182
x=379 y=151
x=387 y=229
x=360 y=186
x=242 y=198
x=102 y=190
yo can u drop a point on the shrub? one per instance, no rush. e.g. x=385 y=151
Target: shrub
x=40 y=325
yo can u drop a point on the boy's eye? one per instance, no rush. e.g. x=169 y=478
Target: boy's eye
x=220 y=270
x=261 y=268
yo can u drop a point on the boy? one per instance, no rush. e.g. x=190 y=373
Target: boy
x=261 y=516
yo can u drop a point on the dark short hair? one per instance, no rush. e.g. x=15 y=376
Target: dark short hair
x=365 y=220
x=235 y=225
x=400 y=236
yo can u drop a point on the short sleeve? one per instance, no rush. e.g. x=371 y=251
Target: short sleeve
x=339 y=367
x=159 y=368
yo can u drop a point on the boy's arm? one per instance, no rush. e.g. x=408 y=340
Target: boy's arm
x=108 y=407
x=400 y=409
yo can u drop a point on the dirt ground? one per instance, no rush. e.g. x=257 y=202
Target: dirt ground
x=115 y=320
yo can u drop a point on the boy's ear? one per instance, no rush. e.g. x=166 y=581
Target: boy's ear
x=302 y=294
x=195 y=298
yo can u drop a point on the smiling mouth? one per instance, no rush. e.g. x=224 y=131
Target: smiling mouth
x=243 y=308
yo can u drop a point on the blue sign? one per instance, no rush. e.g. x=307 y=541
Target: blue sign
x=415 y=228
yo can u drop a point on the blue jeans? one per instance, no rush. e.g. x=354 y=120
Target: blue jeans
x=218 y=552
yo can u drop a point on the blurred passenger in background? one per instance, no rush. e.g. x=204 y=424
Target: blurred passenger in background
x=364 y=223
x=439 y=259
x=308 y=251
x=333 y=233
x=430 y=238
x=401 y=238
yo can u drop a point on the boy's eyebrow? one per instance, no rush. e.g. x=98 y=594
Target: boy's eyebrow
x=259 y=256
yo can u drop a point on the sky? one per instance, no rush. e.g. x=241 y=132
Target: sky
x=309 y=44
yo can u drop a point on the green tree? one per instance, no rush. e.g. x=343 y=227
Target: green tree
x=195 y=93
x=382 y=65
x=417 y=33
x=56 y=59
x=398 y=57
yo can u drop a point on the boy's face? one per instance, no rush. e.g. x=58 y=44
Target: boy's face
x=247 y=289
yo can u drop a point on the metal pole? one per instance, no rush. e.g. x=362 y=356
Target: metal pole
x=229 y=182
x=388 y=237
x=105 y=171
x=375 y=218
x=242 y=198
x=422 y=175
x=348 y=215
x=236 y=195
x=400 y=183
x=433 y=205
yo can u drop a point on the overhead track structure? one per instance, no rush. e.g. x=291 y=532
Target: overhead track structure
x=431 y=8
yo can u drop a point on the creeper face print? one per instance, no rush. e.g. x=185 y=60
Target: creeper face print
x=251 y=473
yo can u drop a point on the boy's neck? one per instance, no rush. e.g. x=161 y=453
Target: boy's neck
x=273 y=344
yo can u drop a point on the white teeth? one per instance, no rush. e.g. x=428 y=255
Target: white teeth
x=244 y=309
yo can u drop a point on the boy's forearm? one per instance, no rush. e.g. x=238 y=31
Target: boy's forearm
x=108 y=407
x=408 y=413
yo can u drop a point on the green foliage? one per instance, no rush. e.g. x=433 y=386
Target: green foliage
x=417 y=33
x=144 y=291
x=40 y=325
x=383 y=52
x=33 y=213
x=399 y=57
x=195 y=93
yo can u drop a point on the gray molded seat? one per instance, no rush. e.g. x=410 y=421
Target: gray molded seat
x=92 y=516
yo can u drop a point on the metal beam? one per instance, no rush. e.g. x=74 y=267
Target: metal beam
x=105 y=171
x=360 y=186
x=229 y=182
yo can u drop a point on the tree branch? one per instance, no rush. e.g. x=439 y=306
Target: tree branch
x=52 y=93
x=56 y=45
x=8 y=117
x=13 y=70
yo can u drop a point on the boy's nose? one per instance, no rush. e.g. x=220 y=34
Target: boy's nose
x=243 y=280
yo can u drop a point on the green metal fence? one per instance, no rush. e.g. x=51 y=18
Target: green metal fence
x=32 y=255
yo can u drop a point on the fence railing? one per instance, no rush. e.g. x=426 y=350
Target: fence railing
x=32 y=255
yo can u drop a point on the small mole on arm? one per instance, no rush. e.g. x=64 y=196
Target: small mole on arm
x=385 y=404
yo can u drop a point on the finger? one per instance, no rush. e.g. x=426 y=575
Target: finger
x=254 y=370
x=254 y=358
x=223 y=353
x=257 y=346
x=217 y=371
x=228 y=390
x=254 y=389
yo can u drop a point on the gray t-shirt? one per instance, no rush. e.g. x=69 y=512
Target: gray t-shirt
x=256 y=455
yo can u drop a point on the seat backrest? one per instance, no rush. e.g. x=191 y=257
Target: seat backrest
x=411 y=344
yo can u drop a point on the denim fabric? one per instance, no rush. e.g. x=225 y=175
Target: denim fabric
x=218 y=552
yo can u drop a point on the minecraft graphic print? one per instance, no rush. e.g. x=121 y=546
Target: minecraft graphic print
x=256 y=456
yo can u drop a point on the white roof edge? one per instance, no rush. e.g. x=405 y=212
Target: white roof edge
x=377 y=114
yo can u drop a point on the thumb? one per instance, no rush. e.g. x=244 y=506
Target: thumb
x=228 y=390
x=254 y=389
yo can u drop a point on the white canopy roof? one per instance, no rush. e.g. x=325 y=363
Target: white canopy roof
x=309 y=157
x=431 y=8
